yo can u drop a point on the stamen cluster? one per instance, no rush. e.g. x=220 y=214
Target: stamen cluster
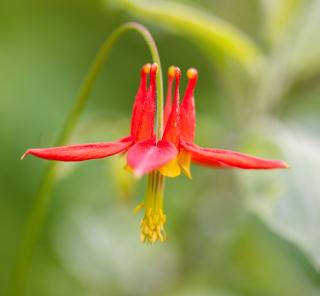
x=152 y=226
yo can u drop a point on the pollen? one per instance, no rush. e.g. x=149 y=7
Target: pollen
x=152 y=226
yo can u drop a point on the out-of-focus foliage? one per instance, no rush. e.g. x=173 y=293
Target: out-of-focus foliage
x=229 y=233
x=215 y=35
x=305 y=61
x=291 y=210
x=279 y=17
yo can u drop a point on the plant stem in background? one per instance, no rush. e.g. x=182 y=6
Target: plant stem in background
x=43 y=197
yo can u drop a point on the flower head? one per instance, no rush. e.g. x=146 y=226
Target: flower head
x=168 y=156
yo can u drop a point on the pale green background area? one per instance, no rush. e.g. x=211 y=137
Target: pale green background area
x=229 y=234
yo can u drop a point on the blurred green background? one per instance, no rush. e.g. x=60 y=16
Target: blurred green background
x=230 y=233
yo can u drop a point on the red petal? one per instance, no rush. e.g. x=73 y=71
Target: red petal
x=139 y=100
x=227 y=158
x=187 y=108
x=145 y=129
x=82 y=152
x=147 y=156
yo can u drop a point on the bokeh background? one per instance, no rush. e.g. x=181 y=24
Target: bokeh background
x=230 y=233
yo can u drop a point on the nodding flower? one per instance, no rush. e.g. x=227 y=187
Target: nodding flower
x=169 y=156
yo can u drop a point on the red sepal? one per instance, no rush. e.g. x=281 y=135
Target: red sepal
x=227 y=158
x=83 y=151
x=147 y=156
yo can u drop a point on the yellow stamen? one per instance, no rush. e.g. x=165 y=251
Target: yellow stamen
x=171 y=169
x=152 y=224
x=184 y=160
x=138 y=208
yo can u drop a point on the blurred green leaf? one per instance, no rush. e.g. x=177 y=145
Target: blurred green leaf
x=280 y=15
x=213 y=33
x=191 y=290
x=295 y=55
x=123 y=179
x=289 y=200
x=93 y=246
x=298 y=55
x=305 y=50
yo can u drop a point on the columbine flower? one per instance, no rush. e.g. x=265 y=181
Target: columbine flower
x=166 y=157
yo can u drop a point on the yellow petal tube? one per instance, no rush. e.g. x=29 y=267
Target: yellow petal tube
x=171 y=169
x=184 y=160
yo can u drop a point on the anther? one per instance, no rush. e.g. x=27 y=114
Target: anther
x=138 y=208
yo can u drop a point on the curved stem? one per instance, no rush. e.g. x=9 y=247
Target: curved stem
x=43 y=197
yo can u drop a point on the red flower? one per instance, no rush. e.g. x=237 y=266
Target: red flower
x=180 y=130
x=141 y=141
x=170 y=155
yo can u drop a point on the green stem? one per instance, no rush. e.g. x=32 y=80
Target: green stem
x=43 y=197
